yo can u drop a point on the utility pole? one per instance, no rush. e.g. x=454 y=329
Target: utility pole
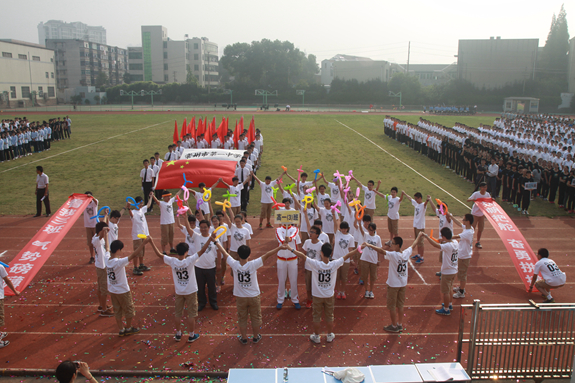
x=408 y=51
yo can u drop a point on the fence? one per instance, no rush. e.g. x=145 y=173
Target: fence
x=518 y=341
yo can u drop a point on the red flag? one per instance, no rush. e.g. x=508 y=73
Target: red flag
x=201 y=128
x=207 y=169
x=184 y=129
x=252 y=131
x=222 y=131
x=241 y=125
x=175 y=131
x=193 y=127
x=208 y=134
x=237 y=133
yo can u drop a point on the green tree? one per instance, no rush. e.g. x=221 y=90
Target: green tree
x=127 y=78
x=101 y=80
x=97 y=99
x=409 y=86
x=554 y=59
x=190 y=78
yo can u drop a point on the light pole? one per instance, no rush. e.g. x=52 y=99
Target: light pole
x=398 y=94
x=131 y=93
x=302 y=94
x=151 y=93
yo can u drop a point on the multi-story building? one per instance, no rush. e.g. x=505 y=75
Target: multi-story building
x=163 y=60
x=346 y=67
x=59 y=30
x=79 y=62
x=571 y=66
x=495 y=62
x=431 y=74
x=26 y=74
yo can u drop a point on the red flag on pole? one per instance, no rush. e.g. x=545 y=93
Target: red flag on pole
x=222 y=131
x=184 y=129
x=237 y=133
x=193 y=127
x=175 y=131
x=252 y=131
x=242 y=124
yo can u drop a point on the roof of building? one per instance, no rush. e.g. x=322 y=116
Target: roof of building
x=522 y=98
x=340 y=57
x=20 y=42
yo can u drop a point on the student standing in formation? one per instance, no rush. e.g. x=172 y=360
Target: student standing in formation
x=393 y=203
x=286 y=266
x=266 y=199
x=324 y=277
x=368 y=261
x=444 y=221
x=369 y=195
x=139 y=226
x=396 y=278
x=90 y=224
x=113 y=219
x=119 y=288
x=236 y=188
x=243 y=173
x=102 y=253
x=326 y=214
x=167 y=220
x=5 y=279
x=478 y=216
x=344 y=243
x=465 y=252
x=147 y=176
x=246 y=289
x=419 y=208
x=199 y=196
x=553 y=277
x=449 y=249
x=205 y=269
x=185 y=285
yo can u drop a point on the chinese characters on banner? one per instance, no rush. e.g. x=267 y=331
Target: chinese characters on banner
x=32 y=257
x=521 y=254
x=287 y=217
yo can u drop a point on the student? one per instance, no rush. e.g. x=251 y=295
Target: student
x=246 y=290
x=444 y=221
x=90 y=224
x=302 y=184
x=118 y=285
x=147 y=177
x=321 y=194
x=205 y=269
x=327 y=217
x=449 y=249
x=236 y=188
x=361 y=227
x=41 y=192
x=312 y=248
x=199 y=196
x=393 y=203
x=324 y=277
x=369 y=195
x=167 y=220
x=239 y=235
x=139 y=226
x=553 y=277
x=368 y=261
x=344 y=243
x=525 y=193
x=102 y=253
x=266 y=199
x=243 y=173
x=465 y=252
x=113 y=219
x=5 y=279
x=396 y=278
x=419 y=208
x=478 y=216
x=286 y=266
x=185 y=285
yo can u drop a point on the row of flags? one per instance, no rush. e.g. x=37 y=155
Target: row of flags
x=208 y=129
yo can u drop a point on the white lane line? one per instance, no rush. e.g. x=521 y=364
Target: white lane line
x=224 y=335
x=81 y=147
x=417 y=272
x=2 y=254
x=406 y=165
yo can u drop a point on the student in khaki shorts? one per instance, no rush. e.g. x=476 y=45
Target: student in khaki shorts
x=393 y=203
x=185 y=284
x=324 y=277
x=119 y=288
x=4 y=277
x=396 y=279
x=419 y=208
x=465 y=252
x=101 y=254
x=449 y=251
x=266 y=199
x=139 y=226
x=553 y=277
x=246 y=289
x=167 y=220
x=368 y=261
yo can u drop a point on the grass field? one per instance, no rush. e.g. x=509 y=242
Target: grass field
x=106 y=151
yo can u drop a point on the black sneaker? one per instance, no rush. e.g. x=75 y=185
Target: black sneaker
x=92 y=260
x=130 y=331
x=257 y=339
x=178 y=337
x=193 y=338
x=137 y=271
x=173 y=251
x=242 y=340
x=144 y=268
x=122 y=332
x=438 y=274
x=552 y=300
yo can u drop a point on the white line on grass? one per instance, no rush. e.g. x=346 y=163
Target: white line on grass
x=80 y=147
x=406 y=165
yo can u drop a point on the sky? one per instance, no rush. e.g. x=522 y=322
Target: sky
x=380 y=30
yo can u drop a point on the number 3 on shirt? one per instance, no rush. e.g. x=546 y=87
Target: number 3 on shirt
x=244 y=277
x=324 y=278
x=112 y=275
x=182 y=275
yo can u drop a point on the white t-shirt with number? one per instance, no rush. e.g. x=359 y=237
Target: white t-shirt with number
x=100 y=253
x=370 y=255
x=323 y=276
x=312 y=250
x=236 y=201
x=238 y=237
x=550 y=272
x=183 y=274
x=397 y=274
x=117 y=280
x=245 y=277
x=91 y=210
x=393 y=207
x=368 y=198
x=449 y=254
x=267 y=191
x=167 y=212
x=343 y=242
x=466 y=243
x=418 y=214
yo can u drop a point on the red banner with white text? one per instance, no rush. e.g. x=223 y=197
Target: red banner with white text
x=521 y=254
x=32 y=257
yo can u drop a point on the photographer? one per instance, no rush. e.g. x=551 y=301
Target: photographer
x=67 y=371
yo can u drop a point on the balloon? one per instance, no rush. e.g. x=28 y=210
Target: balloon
x=351 y=173
x=186 y=181
x=359 y=249
x=347 y=179
x=223 y=228
x=441 y=204
x=310 y=190
x=98 y=216
x=277 y=205
x=431 y=236
x=186 y=192
x=300 y=171
x=359 y=213
x=133 y=202
x=275 y=189
x=284 y=168
x=200 y=202
x=355 y=202
x=183 y=210
x=5 y=265
x=207 y=195
x=307 y=199
x=337 y=175
x=289 y=187
x=316 y=171
x=142 y=236
x=357 y=192
x=225 y=204
x=335 y=207
x=228 y=195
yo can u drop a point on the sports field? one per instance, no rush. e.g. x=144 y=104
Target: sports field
x=58 y=311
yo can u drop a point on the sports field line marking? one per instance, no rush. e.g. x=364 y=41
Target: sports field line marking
x=81 y=147
x=417 y=272
x=224 y=335
x=2 y=254
x=406 y=165
x=220 y=306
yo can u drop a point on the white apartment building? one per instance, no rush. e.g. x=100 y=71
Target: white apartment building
x=59 y=30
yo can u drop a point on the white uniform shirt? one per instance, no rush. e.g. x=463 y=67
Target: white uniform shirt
x=369 y=198
x=183 y=274
x=113 y=232
x=550 y=272
x=100 y=253
x=370 y=255
x=466 y=243
x=245 y=277
x=326 y=216
x=91 y=210
x=238 y=237
x=236 y=201
x=397 y=274
x=42 y=180
x=323 y=276
x=267 y=191
x=393 y=207
x=312 y=250
x=139 y=223
x=342 y=244
x=117 y=281
x=449 y=254
x=208 y=259
x=418 y=214
x=167 y=212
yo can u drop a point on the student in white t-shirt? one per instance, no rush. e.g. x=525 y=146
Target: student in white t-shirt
x=444 y=221
x=324 y=279
x=465 y=252
x=4 y=278
x=118 y=285
x=238 y=234
x=478 y=216
x=326 y=215
x=553 y=277
x=101 y=254
x=266 y=199
x=396 y=278
x=247 y=290
x=90 y=223
x=419 y=208
x=139 y=226
x=167 y=220
x=344 y=243
x=368 y=195
x=185 y=285
x=368 y=260
x=312 y=249
x=236 y=188
x=113 y=219
x=205 y=268
x=200 y=196
x=449 y=254
x=393 y=203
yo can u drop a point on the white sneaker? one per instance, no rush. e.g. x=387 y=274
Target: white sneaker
x=315 y=338
x=455 y=289
x=366 y=294
x=330 y=337
x=459 y=295
x=371 y=295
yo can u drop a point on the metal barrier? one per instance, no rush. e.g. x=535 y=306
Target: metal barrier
x=518 y=341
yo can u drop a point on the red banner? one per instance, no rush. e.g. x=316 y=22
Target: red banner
x=521 y=254
x=32 y=257
x=208 y=171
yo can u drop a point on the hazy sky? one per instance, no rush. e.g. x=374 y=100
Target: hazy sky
x=376 y=29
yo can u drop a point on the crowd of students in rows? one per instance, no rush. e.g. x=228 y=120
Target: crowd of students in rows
x=20 y=137
x=519 y=157
x=450 y=109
